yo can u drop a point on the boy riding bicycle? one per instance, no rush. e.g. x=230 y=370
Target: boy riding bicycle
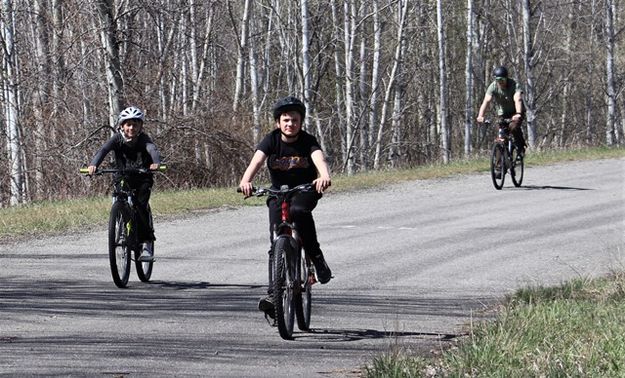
x=293 y=157
x=133 y=148
x=508 y=98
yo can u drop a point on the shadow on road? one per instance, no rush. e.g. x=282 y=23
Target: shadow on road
x=546 y=187
x=343 y=335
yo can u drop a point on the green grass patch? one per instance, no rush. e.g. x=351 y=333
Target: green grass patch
x=574 y=330
x=51 y=217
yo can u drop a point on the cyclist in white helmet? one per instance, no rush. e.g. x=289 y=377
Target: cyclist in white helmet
x=133 y=148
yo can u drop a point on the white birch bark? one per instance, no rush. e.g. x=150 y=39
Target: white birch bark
x=610 y=136
x=443 y=112
x=11 y=109
x=349 y=35
x=375 y=76
x=40 y=98
x=528 y=61
x=338 y=71
x=391 y=83
x=468 y=114
x=108 y=32
x=241 y=52
x=307 y=74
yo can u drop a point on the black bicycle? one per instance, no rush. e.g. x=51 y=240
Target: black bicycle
x=122 y=235
x=506 y=158
x=291 y=270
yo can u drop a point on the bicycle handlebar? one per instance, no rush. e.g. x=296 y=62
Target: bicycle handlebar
x=284 y=190
x=499 y=121
x=100 y=171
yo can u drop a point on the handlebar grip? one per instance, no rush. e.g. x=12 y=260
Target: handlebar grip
x=162 y=167
x=84 y=170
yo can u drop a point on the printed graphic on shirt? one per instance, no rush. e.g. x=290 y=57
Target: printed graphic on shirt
x=289 y=162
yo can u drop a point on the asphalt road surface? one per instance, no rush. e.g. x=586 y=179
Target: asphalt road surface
x=413 y=264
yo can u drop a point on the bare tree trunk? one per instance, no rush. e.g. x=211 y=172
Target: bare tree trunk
x=443 y=113
x=610 y=135
x=40 y=98
x=349 y=29
x=565 y=117
x=108 y=35
x=339 y=96
x=307 y=73
x=363 y=129
x=393 y=76
x=528 y=60
x=241 y=49
x=375 y=76
x=468 y=115
x=198 y=72
x=395 y=150
x=11 y=107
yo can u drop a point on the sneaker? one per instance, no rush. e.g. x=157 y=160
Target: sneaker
x=147 y=255
x=498 y=175
x=266 y=305
x=324 y=274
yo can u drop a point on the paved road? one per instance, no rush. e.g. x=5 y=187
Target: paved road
x=412 y=264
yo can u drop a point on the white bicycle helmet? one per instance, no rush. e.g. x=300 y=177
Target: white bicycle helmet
x=130 y=112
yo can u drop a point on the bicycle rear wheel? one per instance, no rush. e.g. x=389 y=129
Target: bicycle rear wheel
x=497 y=166
x=518 y=167
x=144 y=268
x=283 y=288
x=119 y=251
x=303 y=299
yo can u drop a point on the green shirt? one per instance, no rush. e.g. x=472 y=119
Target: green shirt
x=504 y=97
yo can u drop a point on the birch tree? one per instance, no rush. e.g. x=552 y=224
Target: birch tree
x=468 y=115
x=528 y=60
x=610 y=130
x=442 y=84
x=11 y=106
x=241 y=53
x=110 y=44
x=349 y=36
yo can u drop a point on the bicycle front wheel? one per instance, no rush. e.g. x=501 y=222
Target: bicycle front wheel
x=144 y=268
x=303 y=299
x=518 y=167
x=283 y=288
x=497 y=166
x=119 y=251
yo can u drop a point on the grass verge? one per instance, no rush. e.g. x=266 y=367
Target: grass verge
x=575 y=330
x=53 y=217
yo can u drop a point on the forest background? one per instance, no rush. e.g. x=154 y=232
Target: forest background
x=387 y=83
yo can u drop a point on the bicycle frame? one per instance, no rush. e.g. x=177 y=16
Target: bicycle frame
x=505 y=157
x=291 y=271
x=123 y=222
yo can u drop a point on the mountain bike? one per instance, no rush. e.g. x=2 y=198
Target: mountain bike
x=291 y=270
x=505 y=158
x=122 y=235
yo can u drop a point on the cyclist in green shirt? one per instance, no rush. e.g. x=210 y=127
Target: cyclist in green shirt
x=508 y=100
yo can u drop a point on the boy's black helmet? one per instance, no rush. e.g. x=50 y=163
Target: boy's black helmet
x=287 y=104
x=500 y=71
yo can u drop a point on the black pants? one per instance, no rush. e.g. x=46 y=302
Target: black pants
x=143 y=190
x=302 y=206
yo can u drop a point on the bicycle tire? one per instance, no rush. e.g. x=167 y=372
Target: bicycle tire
x=303 y=299
x=119 y=251
x=144 y=268
x=497 y=160
x=518 y=167
x=283 y=302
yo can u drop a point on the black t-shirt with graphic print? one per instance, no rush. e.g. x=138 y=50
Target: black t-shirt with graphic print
x=289 y=163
